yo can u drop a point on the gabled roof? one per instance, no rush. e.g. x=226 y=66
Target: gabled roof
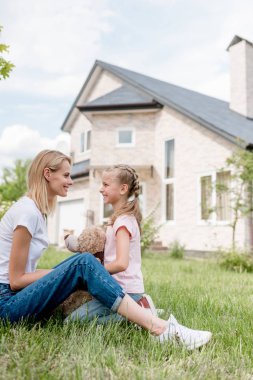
x=210 y=112
x=236 y=39
x=124 y=97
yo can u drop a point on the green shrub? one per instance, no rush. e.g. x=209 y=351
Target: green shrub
x=4 y=206
x=176 y=250
x=237 y=261
x=149 y=232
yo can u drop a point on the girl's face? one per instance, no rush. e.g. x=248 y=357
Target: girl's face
x=112 y=191
x=59 y=181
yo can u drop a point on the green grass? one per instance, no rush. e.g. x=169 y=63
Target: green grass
x=200 y=295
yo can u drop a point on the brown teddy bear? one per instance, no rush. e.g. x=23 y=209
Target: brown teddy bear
x=91 y=239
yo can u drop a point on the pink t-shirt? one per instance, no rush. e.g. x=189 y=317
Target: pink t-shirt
x=131 y=279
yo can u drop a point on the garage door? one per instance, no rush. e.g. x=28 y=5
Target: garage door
x=71 y=218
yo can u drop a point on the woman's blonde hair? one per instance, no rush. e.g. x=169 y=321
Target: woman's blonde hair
x=125 y=174
x=37 y=183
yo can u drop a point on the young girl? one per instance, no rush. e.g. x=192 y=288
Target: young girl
x=122 y=253
x=27 y=292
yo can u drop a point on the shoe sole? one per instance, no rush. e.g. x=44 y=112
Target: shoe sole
x=199 y=343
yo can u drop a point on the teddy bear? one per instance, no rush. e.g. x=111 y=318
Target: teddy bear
x=91 y=239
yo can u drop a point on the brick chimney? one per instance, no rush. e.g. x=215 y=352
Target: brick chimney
x=241 y=76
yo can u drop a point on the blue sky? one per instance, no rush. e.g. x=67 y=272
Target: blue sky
x=54 y=45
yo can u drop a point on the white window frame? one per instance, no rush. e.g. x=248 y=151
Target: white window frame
x=167 y=181
x=213 y=216
x=85 y=134
x=125 y=145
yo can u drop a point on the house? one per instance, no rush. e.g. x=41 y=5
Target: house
x=176 y=139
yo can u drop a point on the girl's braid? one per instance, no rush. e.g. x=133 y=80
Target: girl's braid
x=134 y=188
x=126 y=174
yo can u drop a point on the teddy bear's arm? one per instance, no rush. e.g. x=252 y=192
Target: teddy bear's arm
x=71 y=243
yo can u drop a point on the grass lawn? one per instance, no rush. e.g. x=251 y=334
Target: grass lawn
x=198 y=293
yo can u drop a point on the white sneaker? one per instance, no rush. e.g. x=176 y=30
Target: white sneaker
x=180 y=334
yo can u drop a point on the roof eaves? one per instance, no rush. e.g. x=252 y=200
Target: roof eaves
x=233 y=139
x=78 y=96
x=119 y=107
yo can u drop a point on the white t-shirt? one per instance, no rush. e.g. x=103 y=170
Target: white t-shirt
x=22 y=213
x=131 y=279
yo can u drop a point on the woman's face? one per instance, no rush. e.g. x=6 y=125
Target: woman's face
x=59 y=181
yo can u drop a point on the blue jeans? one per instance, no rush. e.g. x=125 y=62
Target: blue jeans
x=95 y=310
x=39 y=299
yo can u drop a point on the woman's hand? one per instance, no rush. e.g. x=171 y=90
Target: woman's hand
x=18 y=260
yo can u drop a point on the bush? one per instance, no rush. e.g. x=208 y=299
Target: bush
x=236 y=261
x=149 y=232
x=177 y=250
x=4 y=206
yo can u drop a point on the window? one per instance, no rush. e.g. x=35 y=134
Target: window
x=169 y=179
x=82 y=142
x=215 y=198
x=223 y=209
x=169 y=201
x=169 y=159
x=206 y=197
x=125 y=137
x=88 y=137
x=85 y=141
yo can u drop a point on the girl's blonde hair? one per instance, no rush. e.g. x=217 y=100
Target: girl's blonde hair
x=37 y=183
x=125 y=174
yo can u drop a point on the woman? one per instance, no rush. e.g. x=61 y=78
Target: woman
x=27 y=292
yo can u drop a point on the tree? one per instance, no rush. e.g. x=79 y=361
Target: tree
x=14 y=181
x=5 y=66
x=240 y=164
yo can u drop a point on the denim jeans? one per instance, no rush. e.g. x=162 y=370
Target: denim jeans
x=39 y=299
x=95 y=310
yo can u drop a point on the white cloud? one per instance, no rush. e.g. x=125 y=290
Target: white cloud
x=58 y=86
x=190 y=50
x=53 y=43
x=59 y=35
x=21 y=142
x=59 y=40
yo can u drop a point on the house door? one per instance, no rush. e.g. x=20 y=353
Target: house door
x=71 y=218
